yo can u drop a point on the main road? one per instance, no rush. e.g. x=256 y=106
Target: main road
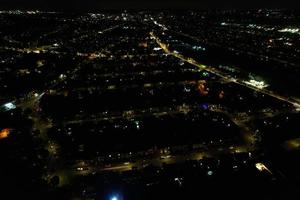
x=214 y=71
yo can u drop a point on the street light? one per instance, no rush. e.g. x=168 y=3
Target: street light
x=115 y=196
x=9 y=106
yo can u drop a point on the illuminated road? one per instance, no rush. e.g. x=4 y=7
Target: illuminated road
x=130 y=114
x=157 y=160
x=212 y=70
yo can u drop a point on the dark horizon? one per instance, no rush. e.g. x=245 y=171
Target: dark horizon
x=94 y=5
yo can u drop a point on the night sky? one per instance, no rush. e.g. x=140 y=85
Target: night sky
x=140 y=4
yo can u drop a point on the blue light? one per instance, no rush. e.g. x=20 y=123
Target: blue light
x=114 y=198
x=204 y=106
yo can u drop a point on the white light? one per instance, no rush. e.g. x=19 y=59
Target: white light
x=114 y=198
x=262 y=167
x=290 y=30
x=210 y=173
x=137 y=125
x=62 y=76
x=9 y=106
x=257 y=84
x=157 y=48
x=36 y=51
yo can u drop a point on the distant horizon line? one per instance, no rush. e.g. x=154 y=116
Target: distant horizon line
x=41 y=10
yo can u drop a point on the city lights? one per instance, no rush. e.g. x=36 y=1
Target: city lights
x=149 y=104
x=257 y=84
x=290 y=30
x=4 y=133
x=9 y=106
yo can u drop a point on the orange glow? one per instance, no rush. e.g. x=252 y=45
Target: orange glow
x=4 y=133
x=191 y=82
x=261 y=167
x=143 y=44
x=66 y=93
x=92 y=56
x=221 y=94
x=202 y=88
